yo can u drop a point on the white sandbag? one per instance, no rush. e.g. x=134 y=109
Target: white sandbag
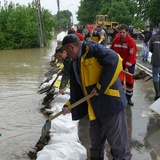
x=61 y=35
x=63 y=137
x=64 y=142
x=63 y=151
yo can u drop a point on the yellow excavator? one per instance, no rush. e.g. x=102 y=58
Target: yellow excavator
x=107 y=25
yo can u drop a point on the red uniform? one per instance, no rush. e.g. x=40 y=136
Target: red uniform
x=127 y=49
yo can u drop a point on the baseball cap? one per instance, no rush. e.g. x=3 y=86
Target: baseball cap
x=90 y=27
x=70 y=38
x=59 y=49
x=99 y=25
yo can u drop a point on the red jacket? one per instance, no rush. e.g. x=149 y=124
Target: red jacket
x=126 y=49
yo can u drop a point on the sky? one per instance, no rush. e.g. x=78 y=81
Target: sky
x=51 y=5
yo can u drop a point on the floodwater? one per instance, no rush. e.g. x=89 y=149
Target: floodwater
x=21 y=72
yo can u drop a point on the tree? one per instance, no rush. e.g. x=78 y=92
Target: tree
x=88 y=10
x=153 y=12
x=64 y=20
x=122 y=11
x=141 y=11
x=19 y=28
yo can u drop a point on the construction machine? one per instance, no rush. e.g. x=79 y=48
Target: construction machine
x=107 y=25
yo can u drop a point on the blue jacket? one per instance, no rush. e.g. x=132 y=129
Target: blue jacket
x=99 y=67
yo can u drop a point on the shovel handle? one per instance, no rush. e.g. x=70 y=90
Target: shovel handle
x=73 y=105
x=128 y=73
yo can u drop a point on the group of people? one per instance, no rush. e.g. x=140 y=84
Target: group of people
x=107 y=74
x=97 y=34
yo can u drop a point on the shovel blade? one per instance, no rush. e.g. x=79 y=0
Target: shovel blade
x=45 y=129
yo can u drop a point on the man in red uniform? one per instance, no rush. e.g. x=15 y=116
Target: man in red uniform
x=126 y=47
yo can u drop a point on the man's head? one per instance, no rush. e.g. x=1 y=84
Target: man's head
x=90 y=28
x=60 y=52
x=99 y=27
x=147 y=27
x=123 y=30
x=71 y=44
x=71 y=31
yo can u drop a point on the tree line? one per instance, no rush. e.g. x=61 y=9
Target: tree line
x=130 y=12
x=19 y=25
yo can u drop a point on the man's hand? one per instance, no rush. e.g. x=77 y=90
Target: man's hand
x=60 y=73
x=95 y=92
x=126 y=69
x=66 y=110
x=61 y=91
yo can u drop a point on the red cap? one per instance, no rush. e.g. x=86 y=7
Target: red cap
x=72 y=28
x=90 y=27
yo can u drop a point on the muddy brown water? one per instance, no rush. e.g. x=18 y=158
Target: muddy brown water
x=21 y=72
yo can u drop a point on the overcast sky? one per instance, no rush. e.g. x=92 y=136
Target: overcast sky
x=51 y=5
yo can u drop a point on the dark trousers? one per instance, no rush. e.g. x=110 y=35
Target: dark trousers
x=114 y=130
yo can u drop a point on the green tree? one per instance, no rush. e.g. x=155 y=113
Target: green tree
x=19 y=27
x=141 y=11
x=119 y=12
x=63 y=20
x=122 y=11
x=153 y=12
x=88 y=10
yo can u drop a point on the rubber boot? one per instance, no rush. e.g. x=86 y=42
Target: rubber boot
x=97 y=154
x=157 y=90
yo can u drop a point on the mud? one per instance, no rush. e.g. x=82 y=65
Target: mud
x=38 y=147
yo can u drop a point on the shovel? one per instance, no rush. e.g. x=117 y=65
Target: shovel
x=48 y=88
x=47 y=126
x=57 y=94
